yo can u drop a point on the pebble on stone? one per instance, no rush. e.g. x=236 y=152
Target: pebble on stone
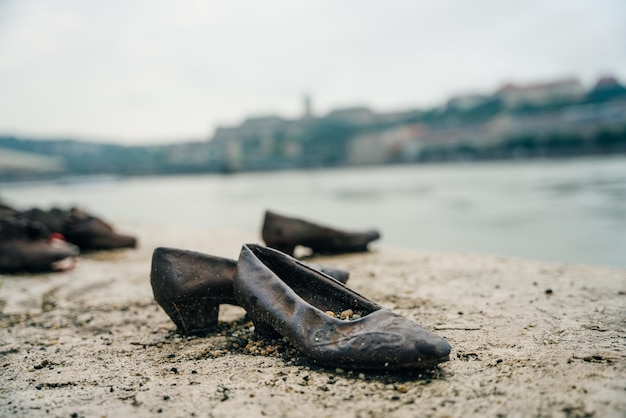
x=347 y=313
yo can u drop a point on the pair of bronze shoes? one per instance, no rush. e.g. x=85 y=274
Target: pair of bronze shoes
x=37 y=240
x=286 y=297
x=190 y=286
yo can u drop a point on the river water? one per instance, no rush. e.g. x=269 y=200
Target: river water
x=559 y=211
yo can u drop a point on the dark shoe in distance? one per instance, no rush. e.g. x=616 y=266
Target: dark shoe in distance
x=27 y=246
x=285 y=233
x=88 y=232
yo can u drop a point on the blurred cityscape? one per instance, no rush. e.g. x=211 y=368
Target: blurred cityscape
x=554 y=119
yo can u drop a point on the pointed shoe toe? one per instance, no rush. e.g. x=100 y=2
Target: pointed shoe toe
x=283 y=295
x=190 y=286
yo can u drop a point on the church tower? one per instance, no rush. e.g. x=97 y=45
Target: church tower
x=308 y=110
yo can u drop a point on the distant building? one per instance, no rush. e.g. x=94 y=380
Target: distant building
x=16 y=163
x=395 y=144
x=466 y=101
x=260 y=143
x=354 y=115
x=358 y=136
x=262 y=122
x=607 y=88
x=608 y=82
x=539 y=94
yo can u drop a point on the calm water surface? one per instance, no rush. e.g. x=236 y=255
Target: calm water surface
x=561 y=211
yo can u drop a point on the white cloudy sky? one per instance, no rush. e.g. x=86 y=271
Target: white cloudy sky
x=148 y=71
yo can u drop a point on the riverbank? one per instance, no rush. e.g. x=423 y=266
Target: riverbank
x=528 y=339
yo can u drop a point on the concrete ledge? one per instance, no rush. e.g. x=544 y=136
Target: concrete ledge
x=528 y=338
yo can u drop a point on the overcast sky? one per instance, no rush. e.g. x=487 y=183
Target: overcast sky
x=149 y=71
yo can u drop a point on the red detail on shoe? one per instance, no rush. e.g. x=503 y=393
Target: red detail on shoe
x=56 y=236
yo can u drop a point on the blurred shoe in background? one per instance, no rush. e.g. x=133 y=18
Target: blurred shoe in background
x=285 y=233
x=27 y=246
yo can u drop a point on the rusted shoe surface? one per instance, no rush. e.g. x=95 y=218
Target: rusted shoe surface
x=282 y=295
x=190 y=286
x=27 y=246
x=285 y=233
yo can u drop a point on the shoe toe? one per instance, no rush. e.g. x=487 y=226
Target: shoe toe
x=372 y=235
x=383 y=341
x=432 y=348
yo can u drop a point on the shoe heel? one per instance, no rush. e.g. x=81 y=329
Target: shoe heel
x=266 y=331
x=196 y=316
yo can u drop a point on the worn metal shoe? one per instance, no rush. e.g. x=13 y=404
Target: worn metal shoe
x=80 y=228
x=285 y=233
x=280 y=294
x=190 y=286
x=27 y=246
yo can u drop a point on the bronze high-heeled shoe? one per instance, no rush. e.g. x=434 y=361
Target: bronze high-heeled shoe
x=280 y=294
x=285 y=233
x=190 y=286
